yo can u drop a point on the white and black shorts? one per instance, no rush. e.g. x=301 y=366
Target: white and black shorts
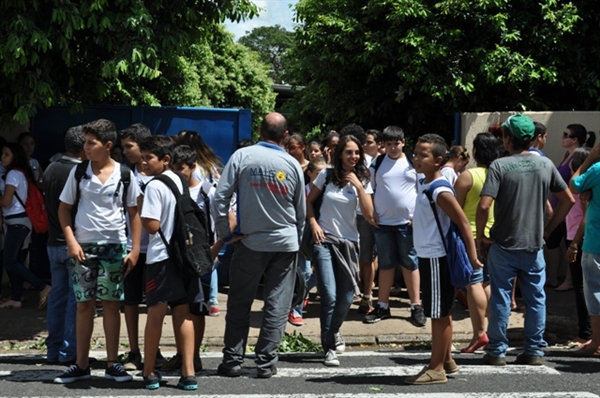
x=437 y=291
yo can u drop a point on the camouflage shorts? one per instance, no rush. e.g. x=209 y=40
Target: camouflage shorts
x=101 y=275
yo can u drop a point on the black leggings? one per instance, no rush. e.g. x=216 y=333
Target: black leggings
x=583 y=318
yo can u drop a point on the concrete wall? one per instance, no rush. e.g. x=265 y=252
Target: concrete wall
x=556 y=122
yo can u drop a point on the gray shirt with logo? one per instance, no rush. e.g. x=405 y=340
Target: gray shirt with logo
x=271 y=203
x=520 y=185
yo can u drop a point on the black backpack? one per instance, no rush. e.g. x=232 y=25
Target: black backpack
x=189 y=247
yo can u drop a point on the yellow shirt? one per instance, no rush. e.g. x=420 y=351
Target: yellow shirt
x=478 y=175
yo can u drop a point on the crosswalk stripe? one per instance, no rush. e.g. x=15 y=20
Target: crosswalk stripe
x=574 y=394
x=316 y=373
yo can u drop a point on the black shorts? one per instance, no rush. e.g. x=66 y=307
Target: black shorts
x=134 y=283
x=165 y=283
x=437 y=291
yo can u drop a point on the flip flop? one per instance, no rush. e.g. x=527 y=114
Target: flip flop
x=43 y=302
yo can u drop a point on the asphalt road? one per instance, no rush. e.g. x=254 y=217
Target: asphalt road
x=362 y=374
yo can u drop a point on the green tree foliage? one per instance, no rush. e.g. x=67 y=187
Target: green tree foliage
x=271 y=43
x=63 y=51
x=216 y=73
x=416 y=62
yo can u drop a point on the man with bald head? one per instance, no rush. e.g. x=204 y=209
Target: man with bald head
x=270 y=215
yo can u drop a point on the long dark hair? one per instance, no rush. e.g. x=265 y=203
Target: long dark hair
x=19 y=160
x=583 y=136
x=487 y=148
x=360 y=169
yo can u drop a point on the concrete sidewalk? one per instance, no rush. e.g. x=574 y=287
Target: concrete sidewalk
x=21 y=328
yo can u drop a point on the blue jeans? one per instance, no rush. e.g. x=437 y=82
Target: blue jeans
x=62 y=308
x=212 y=280
x=304 y=265
x=337 y=292
x=17 y=272
x=504 y=266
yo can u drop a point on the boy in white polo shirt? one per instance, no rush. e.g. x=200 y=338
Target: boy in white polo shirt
x=98 y=247
x=394 y=182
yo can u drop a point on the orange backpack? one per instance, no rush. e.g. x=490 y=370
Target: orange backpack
x=35 y=207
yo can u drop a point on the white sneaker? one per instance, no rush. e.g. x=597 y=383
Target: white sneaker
x=340 y=344
x=331 y=359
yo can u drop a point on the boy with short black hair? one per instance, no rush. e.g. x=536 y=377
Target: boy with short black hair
x=184 y=163
x=131 y=137
x=98 y=247
x=166 y=285
x=437 y=291
x=394 y=181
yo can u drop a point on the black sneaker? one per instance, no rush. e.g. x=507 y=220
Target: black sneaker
x=160 y=360
x=187 y=383
x=133 y=361
x=72 y=374
x=378 y=314
x=525 y=359
x=266 y=373
x=235 y=371
x=152 y=382
x=117 y=373
x=417 y=316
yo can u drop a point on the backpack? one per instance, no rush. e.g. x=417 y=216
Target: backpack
x=35 y=207
x=189 y=246
x=459 y=264
x=307 y=244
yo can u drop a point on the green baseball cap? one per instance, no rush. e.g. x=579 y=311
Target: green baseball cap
x=520 y=126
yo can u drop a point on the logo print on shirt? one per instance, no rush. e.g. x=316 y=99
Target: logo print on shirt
x=280 y=175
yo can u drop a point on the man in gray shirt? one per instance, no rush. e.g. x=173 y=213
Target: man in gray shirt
x=518 y=185
x=271 y=212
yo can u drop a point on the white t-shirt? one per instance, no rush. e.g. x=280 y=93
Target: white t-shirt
x=159 y=204
x=140 y=180
x=426 y=236
x=395 y=186
x=449 y=173
x=100 y=215
x=35 y=167
x=338 y=210
x=18 y=180
x=209 y=189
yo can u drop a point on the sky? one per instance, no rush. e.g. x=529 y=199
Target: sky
x=274 y=12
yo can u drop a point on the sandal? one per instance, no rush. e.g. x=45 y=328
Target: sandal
x=44 y=299
x=12 y=305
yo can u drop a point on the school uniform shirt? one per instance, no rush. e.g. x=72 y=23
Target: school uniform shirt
x=140 y=180
x=449 y=173
x=18 y=180
x=209 y=189
x=338 y=209
x=395 y=186
x=100 y=213
x=426 y=235
x=35 y=167
x=159 y=204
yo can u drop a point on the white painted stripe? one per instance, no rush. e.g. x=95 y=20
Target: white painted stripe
x=574 y=394
x=311 y=373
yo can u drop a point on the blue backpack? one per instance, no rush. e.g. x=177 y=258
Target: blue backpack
x=459 y=264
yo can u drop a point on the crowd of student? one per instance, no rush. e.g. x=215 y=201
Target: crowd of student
x=341 y=211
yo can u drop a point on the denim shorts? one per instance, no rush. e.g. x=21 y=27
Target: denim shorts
x=590 y=265
x=395 y=247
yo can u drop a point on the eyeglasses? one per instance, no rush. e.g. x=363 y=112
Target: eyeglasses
x=567 y=135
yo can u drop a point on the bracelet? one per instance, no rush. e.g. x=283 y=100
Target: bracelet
x=572 y=249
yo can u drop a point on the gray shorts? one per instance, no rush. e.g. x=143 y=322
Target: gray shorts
x=366 y=241
x=590 y=265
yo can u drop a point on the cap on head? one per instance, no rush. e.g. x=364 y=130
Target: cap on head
x=520 y=126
